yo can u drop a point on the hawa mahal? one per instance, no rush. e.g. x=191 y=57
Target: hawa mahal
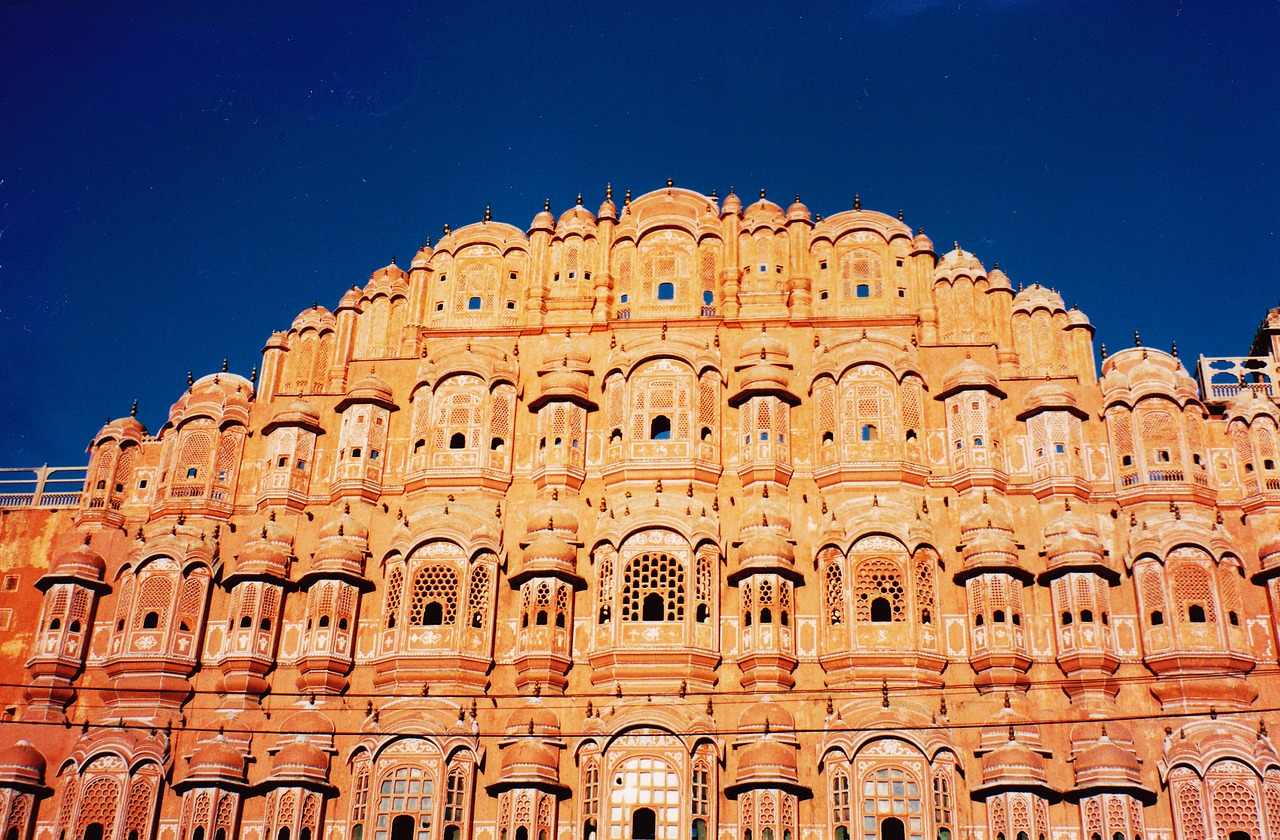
x=679 y=519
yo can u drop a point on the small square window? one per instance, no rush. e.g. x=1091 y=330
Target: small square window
x=440 y=306
x=763 y=269
x=824 y=294
x=899 y=263
x=823 y=265
x=586 y=275
x=142 y=485
x=443 y=277
x=902 y=293
x=6 y=619
x=193 y=472
x=556 y=277
x=473 y=303
x=11 y=583
x=512 y=275
x=778 y=269
x=623 y=298
x=1059 y=448
x=511 y=304
x=572 y=274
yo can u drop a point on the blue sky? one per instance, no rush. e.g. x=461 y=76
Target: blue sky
x=178 y=180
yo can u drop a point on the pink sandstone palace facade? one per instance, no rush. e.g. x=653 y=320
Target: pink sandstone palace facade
x=681 y=519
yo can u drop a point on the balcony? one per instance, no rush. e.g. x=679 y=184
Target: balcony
x=41 y=487
x=1222 y=377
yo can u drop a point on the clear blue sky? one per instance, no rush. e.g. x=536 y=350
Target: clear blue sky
x=177 y=180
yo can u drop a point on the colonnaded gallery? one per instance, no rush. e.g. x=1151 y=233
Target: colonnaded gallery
x=676 y=520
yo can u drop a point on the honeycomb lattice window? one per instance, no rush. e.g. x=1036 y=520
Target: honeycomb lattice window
x=653 y=588
x=394 y=586
x=877 y=581
x=434 y=595
x=1192 y=586
x=924 y=586
x=833 y=579
x=1160 y=442
x=1233 y=798
x=98 y=804
x=478 y=596
x=155 y=596
x=1186 y=795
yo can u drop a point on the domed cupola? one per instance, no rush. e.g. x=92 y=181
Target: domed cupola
x=265 y=557
x=732 y=205
x=1072 y=544
x=22 y=766
x=576 y=217
x=80 y=565
x=343 y=549
x=1013 y=766
x=797 y=212
x=767 y=751
x=565 y=374
x=764 y=364
x=764 y=213
x=300 y=764
x=370 y=389
x=297 y=413
x=215 y=763
x=990 y=543
x=1104 y=765
x=969 y=375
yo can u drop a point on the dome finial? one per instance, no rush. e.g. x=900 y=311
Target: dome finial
x=955 y=243
x=1104 y=352
x=1175 y=350
x=762 y=194
x=670 y=183
x=627 y=198
x=546 y=206
x=920 y=231
x=857 y=202
x=579 y=199
x=133 y=412
x=191 y=379
x=797 y=198
x=1137 y=339
x=428 y=243
x=488 y=216
x=224 y=365
x=446 y=230
x=608 y=193
x=253 y=375
x=393 y=259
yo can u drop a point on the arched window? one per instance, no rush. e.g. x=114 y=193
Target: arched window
x=660 y=428
x=863 y=290
x=402 y=826
x=473 y=303
x=93 y=831
x=457 y=441
x=666 y=291
x=881 y=610
x=1195 y=614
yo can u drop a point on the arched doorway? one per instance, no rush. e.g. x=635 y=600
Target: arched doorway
x=644 y=824
x=893 y=829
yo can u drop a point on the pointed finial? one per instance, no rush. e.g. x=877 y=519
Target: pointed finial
x=546 y=206
x=956 y=244
x=446 y=230
x=224 y=365
x=1104 y=352
x=427 y=244
x=670 y=183
x=942 y=706
x=797 y=198
x=133 y=412
x=762 y=195
x=608 y=192
x=919 y=231
x=713 y=193
x=627 y=198
x=899 y=214
x=1007 y=704
x=884 y=692
x=191 y=380
x=488 y=215
x=1137 y=339
x=253 y=376
x=1175 y=349
x=857 y=202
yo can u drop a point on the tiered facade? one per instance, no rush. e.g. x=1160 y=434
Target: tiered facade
x=680 y=519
